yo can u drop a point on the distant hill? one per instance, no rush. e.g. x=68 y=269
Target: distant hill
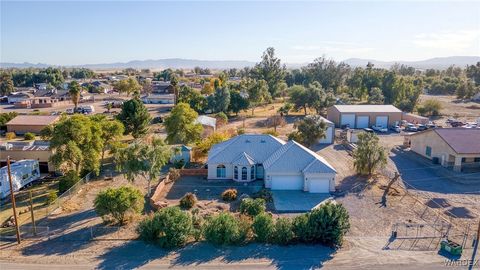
x=437 y=63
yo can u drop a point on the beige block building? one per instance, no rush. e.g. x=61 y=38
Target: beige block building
x=38 y=150
x=451 y=147
x=363 y=116
x=30 y=123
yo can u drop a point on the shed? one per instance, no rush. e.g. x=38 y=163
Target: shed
x=362 y=116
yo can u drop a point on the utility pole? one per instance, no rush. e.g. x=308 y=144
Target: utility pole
x=12 y=197
x=33 y=216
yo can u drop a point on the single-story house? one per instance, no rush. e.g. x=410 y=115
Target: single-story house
x=282 y=165
x=19 y=97
x=30 y=123
x=362 y=116
x=159 y=99
x=161 y=87
x=182 y=152
x=456 y=147
x=19 y=150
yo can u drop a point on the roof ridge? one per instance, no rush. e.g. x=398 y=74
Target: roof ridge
x=276 y=155
x=228 y=142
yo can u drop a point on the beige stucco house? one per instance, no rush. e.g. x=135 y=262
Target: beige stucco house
x=451 y=147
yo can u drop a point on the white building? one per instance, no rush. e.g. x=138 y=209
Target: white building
x=282 y=165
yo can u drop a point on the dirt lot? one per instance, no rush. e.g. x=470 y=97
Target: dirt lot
x=453 y=108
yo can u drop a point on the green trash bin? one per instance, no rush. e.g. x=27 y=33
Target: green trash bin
x=451 y=247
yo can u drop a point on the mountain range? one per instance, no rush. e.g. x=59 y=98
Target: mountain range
x=437 y=63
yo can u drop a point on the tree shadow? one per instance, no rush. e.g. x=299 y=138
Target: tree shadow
x=281 y=257
x=130 y=255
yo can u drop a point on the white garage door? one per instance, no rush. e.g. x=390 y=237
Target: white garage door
x=362 y=121
x=319 y=185
x=287 y=182
x=329 y=136
x=382 y=121
x=348 y=119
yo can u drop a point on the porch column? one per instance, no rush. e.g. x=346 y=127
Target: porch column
x=458 y=164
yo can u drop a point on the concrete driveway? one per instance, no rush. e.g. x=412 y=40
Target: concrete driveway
x=295 y=201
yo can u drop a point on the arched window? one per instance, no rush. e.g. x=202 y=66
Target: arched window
x=221 y=171
x=252 y=172
x=235 y=172
x=244 y=173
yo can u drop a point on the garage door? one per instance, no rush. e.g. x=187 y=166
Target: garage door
x=329 y=136
x=319 y=185
x=382 y=121
x=348 y=119
x=362 y=121
x=287 y=182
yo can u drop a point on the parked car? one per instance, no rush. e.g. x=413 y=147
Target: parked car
x=380 y=128
x=69 y=111
x=457 y=123
x=396 y=128
x=421 y=127
x=369 y=130
x=411 y=128
x=347 y=126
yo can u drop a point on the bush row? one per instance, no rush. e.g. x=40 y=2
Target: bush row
x=171 y=227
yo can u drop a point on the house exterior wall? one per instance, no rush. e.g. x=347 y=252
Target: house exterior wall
x=22 y=129
x=330 y=176
x=212 y=171
x=335 y=116
x=41 y=156
x=269 y=175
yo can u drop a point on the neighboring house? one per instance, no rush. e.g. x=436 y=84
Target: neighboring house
x=160 y=87
x=282 y=165
x=184 y=153
x=18 y=150
x=158 y=99
x=330 y=132
x=208 y=123
x=41 y=86
x=18 y=97
x=362 y=116
x=457 y=147
x=30 y=123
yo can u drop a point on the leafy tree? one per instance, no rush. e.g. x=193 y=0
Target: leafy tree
x=328 y=224
x=376 y=96
x=147 y=87
x=369 y=154
x=299 y=97
x=309 y=130
x=203 y=146
x=327 y=72
x=286 y=108
x=191 y=96
x=74 y=89
x=76 y=144
x=81 y=73
x=169 y=228
x=473 y=72
x=283 y=231
x=6 y=84
x=128 y=86
x=252 y=207
x=145 y=158
x=67 y=181
x=114 y=204
x=5 y=118
x=270 y=70
x=225 y=229
x=112 y=131
x=135 y=118
x=181 y=125
x=263 y=227
x=220 y=100
x=174 y=83
x=316 y=97
x=238 y=102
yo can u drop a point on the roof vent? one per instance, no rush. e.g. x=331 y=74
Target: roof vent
x=247 y=141
x=262 y=141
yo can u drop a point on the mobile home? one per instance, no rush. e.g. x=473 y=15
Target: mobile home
x=23 y=172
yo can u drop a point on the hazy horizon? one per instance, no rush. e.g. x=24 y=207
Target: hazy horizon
x=82 y=33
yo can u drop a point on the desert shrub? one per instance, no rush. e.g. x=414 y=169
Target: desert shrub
x=264 y=194
x=170 y=227
x=174 y=174
x=263 y=227
x=252 y=207
x=430 y=107
x=271 y=132
x=114 y=204
x=222 y=119
x=197 y=224
x=225 y=229
x=188 y=200
x=329 y=223
x=10 y=135
x=51 y=197
x=283 y=234
x=67 y=181
x=240 y=131
x=301 y=228
x=229 y=195
x=275 y=121
x=29 y=136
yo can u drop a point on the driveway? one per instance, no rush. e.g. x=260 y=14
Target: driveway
x=295 y=201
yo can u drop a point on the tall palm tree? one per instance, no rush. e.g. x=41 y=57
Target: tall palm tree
x=74 y=89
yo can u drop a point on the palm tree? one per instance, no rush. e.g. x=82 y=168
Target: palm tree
x=74 y=90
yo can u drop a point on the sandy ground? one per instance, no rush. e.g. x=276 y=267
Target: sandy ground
x=453 y=108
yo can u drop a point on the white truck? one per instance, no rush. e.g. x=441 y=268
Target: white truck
x=23 y=173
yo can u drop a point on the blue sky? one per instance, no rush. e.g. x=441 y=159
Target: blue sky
x=90 y=32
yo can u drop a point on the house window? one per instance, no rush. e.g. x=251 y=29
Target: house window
x=235 y=172
x=244 y=173
x=221 y=171
x=464 y=160
x=477 y=159
x=252 y=172
x=428 y=151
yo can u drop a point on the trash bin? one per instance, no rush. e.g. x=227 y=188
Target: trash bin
x=451 y=247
